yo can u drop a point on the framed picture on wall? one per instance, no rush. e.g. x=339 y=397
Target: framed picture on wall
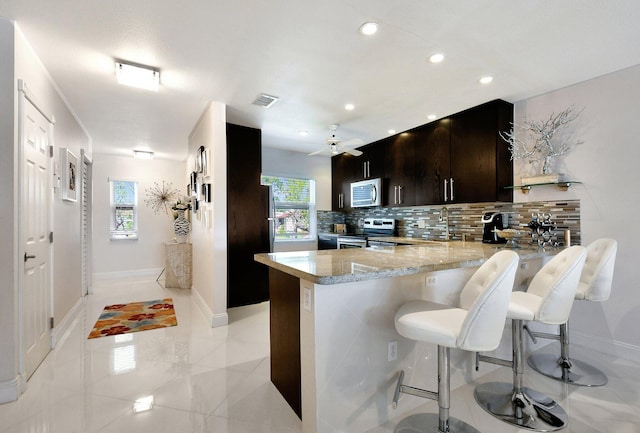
x=199 y=157
x=194 y=183
x=69 y=172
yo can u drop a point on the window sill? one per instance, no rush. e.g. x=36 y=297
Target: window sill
x=122 y=237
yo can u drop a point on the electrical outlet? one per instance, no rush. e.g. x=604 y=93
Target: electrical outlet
x=431 y=280
x=422 y=224
x=392 y=351
x=307 y=299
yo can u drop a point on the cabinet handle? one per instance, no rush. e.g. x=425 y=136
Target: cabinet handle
x=395 y=194
x=368 y=168
x=374 y=194
x=451 y=185
x=446 y=187
x=364 y=169
x=399 y=194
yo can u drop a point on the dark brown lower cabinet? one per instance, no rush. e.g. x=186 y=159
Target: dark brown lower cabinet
x=285 y=336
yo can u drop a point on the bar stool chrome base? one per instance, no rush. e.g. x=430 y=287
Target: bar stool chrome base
x=575 y=372
x=529 y=409
x=428 y=423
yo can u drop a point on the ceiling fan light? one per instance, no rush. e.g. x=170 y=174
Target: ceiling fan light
x=349 y=107
x=486 y=80
x=334 y=149
x=142 y=77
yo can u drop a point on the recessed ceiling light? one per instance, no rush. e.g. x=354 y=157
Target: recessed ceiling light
x=486 y=80
x=436 y=58
x=143 y=154
x=431 y=117
x=369 y=28
x=391 y=131
x=303 y=133
x=142 y=77
x=349 y=107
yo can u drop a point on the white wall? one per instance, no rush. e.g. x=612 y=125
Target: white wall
x=20 y=62
x=607 y=165
x=277 y=162
x=209 y=225
x=113 y=258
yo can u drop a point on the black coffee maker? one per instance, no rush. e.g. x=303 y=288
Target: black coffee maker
x=493 y=221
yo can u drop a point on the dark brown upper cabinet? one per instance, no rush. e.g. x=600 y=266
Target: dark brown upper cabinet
x=458 y=159
x=400 y=169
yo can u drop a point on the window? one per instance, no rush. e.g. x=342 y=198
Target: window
x=124 y=209
x=294 y=207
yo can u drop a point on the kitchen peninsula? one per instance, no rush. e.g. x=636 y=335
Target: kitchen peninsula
x=332 y=329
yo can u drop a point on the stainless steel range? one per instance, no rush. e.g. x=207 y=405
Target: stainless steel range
x=373 y=227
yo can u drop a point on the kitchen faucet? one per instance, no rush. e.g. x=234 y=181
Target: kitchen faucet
x=444 y=216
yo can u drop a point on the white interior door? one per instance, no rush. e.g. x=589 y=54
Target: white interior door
x=35 y=223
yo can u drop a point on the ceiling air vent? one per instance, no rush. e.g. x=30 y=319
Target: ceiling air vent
x=264 y=100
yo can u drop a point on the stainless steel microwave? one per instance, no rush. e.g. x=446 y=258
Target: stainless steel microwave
x=366 y=193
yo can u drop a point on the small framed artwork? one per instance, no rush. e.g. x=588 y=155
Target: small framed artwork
x=69 y=171
x=199 y=158
x=206 y=192
x=205 y=162
x=194 y=183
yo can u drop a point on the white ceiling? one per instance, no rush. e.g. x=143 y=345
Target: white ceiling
x=310 y=54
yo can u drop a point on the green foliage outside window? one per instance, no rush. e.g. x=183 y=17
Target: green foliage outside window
x=124 y=209
x=292 y=202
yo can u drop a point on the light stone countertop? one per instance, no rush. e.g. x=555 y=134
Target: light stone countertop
x=359 y=264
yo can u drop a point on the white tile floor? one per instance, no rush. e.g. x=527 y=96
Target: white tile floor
x=217 y=380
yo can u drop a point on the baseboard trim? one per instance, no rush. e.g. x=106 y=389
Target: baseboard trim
x=622 y=350
x=10 y=390
x=220 y=319
x=216 y=320
x=61 y=331
x=124 y=274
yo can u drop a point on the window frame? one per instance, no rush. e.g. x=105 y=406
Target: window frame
x=309 y=206
x=115 y=234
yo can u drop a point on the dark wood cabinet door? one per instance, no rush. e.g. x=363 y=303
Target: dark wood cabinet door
x=372 y=161
x=433 y=158
x=345 y=169
x=400 y=169
x=475 y=159
x=247 y=204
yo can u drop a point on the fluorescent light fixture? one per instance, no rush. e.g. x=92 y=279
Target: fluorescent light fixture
x=143 y=154
x=369 y=28
x=486 y=80
x=142 y=77
x=431 y=117
x=436 y=58
x=391 y=131
x=349 y=107
x=142 y=404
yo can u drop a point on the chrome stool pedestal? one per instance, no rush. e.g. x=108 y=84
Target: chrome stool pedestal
x=515 y=404
x=563 y=368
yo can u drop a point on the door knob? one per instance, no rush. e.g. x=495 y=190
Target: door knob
x=28 y=256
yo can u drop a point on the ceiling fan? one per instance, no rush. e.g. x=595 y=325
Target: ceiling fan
x=335 y=146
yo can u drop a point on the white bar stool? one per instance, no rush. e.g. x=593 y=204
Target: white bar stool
x=548 y=299
x=476 y=324
x=595 y=285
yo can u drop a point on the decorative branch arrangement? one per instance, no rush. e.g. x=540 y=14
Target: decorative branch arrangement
x=541 y=134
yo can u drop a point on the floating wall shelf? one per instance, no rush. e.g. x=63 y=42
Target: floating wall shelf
x=563 y=186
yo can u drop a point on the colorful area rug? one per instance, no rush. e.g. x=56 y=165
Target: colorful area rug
x=135 y=316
